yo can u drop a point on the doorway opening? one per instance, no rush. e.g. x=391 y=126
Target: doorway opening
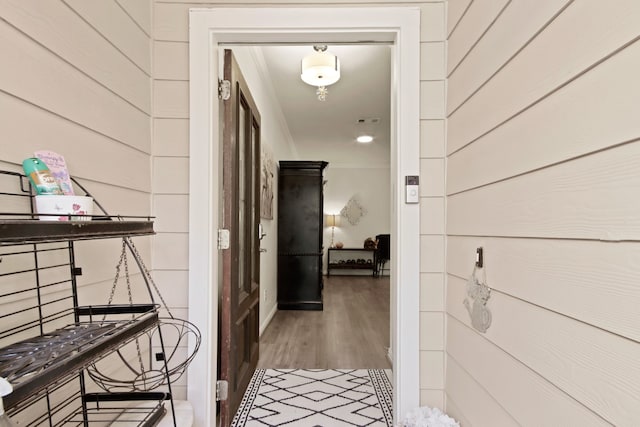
x=211 y=27
x=357 y=177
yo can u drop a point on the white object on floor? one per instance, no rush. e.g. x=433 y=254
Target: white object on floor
x=428 y=417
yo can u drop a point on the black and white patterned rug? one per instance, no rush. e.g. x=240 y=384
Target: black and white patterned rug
x=317 y=398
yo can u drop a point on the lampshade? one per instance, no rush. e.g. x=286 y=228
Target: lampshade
x=332 y=220
x=321 y=68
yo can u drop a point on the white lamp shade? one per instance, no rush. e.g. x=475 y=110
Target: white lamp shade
x=320 y=69
x=332 y=220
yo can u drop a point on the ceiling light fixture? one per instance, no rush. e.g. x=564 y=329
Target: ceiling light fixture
x=364 y=139
x=320 y=69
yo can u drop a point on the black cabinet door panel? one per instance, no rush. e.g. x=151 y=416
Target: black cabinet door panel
x=300 y=221
x=299 y=279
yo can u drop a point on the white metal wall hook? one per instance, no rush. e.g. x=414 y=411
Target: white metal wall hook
x=478 y=294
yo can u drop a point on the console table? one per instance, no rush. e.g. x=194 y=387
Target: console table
x=338 y=258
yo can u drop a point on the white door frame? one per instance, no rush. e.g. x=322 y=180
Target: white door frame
x=209 y=28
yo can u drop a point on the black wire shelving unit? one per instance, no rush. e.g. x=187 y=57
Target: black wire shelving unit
x=47 y=339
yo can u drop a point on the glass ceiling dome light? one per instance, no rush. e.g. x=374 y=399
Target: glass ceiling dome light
x=320 y=69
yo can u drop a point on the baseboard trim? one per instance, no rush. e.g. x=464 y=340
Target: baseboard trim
x=266 y=322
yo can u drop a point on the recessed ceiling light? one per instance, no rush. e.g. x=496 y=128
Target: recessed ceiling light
x=364 y=138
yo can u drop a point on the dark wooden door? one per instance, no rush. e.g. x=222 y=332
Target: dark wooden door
x=240 y=297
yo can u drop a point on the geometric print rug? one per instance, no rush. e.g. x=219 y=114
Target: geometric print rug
x=317 y=398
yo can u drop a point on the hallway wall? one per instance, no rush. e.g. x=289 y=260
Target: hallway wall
x=543 y=152
x=370 y=187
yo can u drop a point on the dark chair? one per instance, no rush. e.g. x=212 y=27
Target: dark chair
x=383 y=252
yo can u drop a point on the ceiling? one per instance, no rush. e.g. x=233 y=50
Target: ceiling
x=327 y=130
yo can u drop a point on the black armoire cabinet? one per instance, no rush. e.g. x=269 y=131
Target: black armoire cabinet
x=300 y=219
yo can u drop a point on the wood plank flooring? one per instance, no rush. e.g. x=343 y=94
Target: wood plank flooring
x=351 y=333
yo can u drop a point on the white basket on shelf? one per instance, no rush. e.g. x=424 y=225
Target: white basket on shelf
x=64 y=208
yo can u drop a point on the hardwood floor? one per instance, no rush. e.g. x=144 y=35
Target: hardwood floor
x=351 y=332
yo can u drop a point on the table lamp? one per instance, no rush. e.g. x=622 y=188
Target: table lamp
x=332 y=220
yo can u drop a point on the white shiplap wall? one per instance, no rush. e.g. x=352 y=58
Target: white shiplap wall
x=69 y=84
x=76 y=79
x=432 y=203
x=543 y=149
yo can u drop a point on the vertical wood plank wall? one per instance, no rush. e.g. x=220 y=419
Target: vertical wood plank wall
x=543 y=171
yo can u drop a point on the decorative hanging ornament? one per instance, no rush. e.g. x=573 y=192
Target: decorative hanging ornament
x=478 y=294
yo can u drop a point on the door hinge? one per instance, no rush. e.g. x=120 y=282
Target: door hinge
x=222 y=390
x=223 y=239
x=224 y=89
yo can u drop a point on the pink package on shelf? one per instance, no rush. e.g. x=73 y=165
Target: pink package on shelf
x=58 y=167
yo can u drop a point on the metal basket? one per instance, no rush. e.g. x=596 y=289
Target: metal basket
x=149 y=372
x=158 y=368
